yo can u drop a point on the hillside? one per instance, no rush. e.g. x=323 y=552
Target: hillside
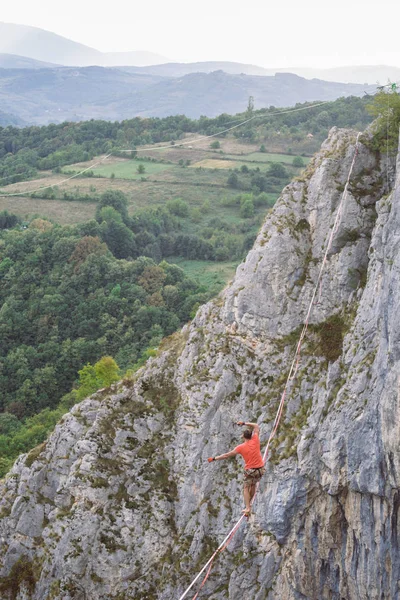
x=127 y=468
x=13 y=61
x=46 y=46
x=44 y=96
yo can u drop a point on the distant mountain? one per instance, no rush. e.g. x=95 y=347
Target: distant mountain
x=13 y=61
x=6 y=119
x=373 y=74
x=43 y=96
x=68 y=93
x=214 y=93
x=43 y=45
x=174 y=69
x=50 y=48
x=357 y=74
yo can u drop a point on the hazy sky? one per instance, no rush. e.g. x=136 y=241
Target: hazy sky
x=270 y=34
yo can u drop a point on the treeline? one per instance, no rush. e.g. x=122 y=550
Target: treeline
x=295 y=126
x=66 y=300
x=25 y=151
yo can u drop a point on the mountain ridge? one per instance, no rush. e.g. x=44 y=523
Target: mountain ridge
x=42 y=45
x=46 y=46
x=43 y=96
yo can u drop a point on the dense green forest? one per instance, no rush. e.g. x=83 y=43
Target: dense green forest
x=66 y=300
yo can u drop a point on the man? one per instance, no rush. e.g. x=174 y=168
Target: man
x=254 y=464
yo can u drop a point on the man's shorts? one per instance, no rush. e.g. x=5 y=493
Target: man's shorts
x=252 y=476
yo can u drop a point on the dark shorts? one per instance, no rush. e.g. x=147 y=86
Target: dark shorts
x=252 y=476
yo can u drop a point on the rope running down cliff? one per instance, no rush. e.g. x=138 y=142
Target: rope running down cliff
x=292 y=374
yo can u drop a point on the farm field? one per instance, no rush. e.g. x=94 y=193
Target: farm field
x=64 y=213
x=213 y=275
x=128 y=169
x=215 y=163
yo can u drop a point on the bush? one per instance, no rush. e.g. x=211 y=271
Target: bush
x=7 y=220
x=298 y=162
x=178 y=207
x=233 y=181
x=92 y=378
x=246 y=207
x=263 y=200
x=277 y=170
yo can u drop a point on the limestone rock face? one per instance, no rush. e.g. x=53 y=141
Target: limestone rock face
x=121 y=502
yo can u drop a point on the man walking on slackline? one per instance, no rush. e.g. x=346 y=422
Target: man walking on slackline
x=254 y=464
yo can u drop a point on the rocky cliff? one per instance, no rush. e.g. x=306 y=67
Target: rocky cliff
x=121 y=503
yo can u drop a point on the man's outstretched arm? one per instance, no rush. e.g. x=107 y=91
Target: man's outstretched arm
x=223 y=456
x=253 y=426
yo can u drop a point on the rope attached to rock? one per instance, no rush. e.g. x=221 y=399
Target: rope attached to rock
x=291 y=375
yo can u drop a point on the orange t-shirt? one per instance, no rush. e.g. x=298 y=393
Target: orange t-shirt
x=251 y=453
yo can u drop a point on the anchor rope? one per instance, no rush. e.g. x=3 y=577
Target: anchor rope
x=291 y=375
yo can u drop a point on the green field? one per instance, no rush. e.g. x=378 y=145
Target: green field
x=127 y=169
x=213 y=275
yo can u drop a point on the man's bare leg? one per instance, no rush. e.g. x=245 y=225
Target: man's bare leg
x=252 y=491
x=247 y=500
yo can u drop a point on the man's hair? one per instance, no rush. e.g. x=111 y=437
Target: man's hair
x=247 y=433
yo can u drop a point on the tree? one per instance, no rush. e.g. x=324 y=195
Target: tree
x=196 y=215
x=263 y=148
x=118 y=237
x=246 y=207
x=9 y=423
x=8 y=220
x=178 y=207
x=107 y=370
x=92 y=378
x=41 y=225
x=277 y=170
x=141 y=169
x=152 y=279
x=386 y=108
x=215 y=145
x=85 y=247
x=233 y=180
x=117 y=200
x=298 y=162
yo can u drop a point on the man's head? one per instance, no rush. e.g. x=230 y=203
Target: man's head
x=247 y=433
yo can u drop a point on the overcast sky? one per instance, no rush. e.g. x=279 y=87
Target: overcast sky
x=270 y=34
